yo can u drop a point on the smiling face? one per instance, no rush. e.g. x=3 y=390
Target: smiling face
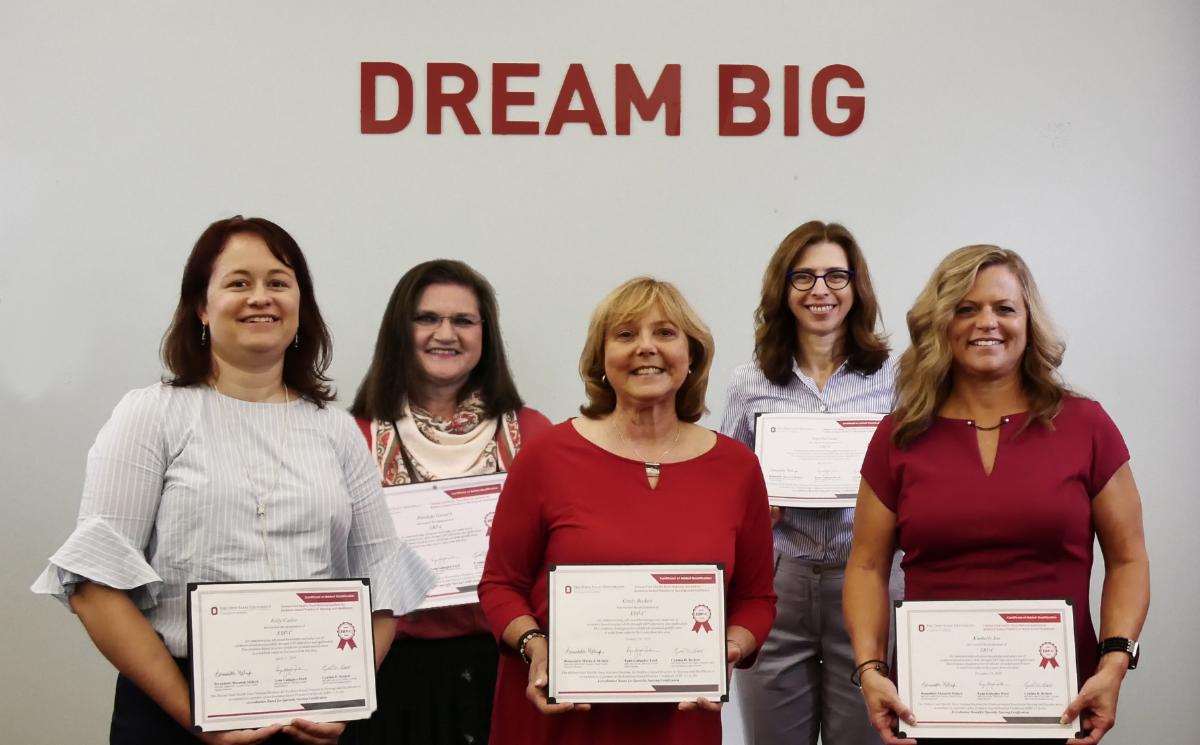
x=820 y=311
x=988 y=333
x=646 y=360
x=449 y=349
x=252 y=304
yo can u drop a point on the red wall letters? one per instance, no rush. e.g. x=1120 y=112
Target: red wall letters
x=740 y=113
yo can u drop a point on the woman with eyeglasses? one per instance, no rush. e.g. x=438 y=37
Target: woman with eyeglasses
x=816 y=350
x=437 y=402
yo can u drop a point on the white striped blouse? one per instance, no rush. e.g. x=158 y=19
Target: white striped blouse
x=188 y=485
x=818 y=535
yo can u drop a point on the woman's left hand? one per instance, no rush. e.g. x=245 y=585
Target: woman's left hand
x=314 y=733
x=1096 y=705
x=733 y=654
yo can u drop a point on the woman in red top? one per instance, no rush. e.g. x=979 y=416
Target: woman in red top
x=439 y=402
x=634 y=480
x=995 y=479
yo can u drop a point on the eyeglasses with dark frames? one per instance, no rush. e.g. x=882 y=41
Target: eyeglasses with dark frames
x=835 y=279
x=462 y=321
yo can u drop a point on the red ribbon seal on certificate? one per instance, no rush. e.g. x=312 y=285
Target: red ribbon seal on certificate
x=487 y=520
x=701 y=614
x=345 y=632
x=1048 y=652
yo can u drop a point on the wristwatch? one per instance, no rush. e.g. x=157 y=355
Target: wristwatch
x=1121 y=644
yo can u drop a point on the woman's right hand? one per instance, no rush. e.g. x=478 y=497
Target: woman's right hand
x=539 y=652
x=884 y=707
x=240 y=736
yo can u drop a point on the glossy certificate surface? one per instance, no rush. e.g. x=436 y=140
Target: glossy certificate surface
x=813 y=460
x=637 y=633
x=449 y=523
x=986 y=669
x=267 y=652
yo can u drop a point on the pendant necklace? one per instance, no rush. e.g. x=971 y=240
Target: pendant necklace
x=653 y=467
x=1003 y=420
x=263 y=498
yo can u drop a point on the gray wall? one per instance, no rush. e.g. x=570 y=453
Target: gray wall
x=1066 y=131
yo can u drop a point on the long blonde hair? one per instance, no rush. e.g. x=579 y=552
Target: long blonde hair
x=924 y=375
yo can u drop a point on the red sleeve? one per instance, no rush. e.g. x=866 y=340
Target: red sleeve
x=1109 y=452
x=877 y=465
x=364 y=426
x=532 y=423
x=517 y=545
x=752 y=586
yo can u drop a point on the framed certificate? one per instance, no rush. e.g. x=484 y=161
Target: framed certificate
x=635 y=633
x=448 y=523
x=268 y=652
x=986 y=669
x=812 y=460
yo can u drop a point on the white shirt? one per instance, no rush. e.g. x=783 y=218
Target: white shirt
x=188 y=485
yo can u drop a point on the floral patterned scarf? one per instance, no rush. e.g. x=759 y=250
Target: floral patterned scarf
x=423 y=447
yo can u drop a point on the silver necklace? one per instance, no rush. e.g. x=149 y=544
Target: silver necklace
x=261 y=500
x=653 y=467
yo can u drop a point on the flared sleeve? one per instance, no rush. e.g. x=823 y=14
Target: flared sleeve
x=121 y=494
x=399 y=577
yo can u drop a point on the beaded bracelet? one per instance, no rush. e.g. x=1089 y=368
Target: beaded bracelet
x=878 y=666
x=524 y=640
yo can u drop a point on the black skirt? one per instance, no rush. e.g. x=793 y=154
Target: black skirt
x=432 y=692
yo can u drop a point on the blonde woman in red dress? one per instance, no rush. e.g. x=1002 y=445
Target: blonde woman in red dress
x=634 y=480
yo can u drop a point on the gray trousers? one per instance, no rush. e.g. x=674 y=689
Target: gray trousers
x=800 y=686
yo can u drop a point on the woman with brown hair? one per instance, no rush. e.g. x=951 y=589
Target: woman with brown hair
x=996 y=479
x=816 y=350
x=233 y=469
x=439 y=402
x=600 y=489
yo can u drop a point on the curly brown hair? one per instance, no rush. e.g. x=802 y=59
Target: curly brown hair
x=775 y=340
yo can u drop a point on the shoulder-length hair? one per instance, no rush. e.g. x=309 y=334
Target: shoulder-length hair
x=626 y=303
x=395 y=377
x=776 y=342
x=189 y=361
x=925 y=373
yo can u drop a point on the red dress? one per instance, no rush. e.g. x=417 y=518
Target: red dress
x=1023 y=532
x=569 y=501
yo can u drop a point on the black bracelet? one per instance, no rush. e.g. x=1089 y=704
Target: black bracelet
x=525 y=640
x=878 y=666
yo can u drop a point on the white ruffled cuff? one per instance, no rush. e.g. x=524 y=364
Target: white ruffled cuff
x=97 y=553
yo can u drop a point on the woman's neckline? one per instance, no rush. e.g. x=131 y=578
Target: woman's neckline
x=571 y=423
x=292 y=397
x=1009 y=417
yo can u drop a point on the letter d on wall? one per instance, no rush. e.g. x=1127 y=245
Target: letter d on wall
x=370 y=123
